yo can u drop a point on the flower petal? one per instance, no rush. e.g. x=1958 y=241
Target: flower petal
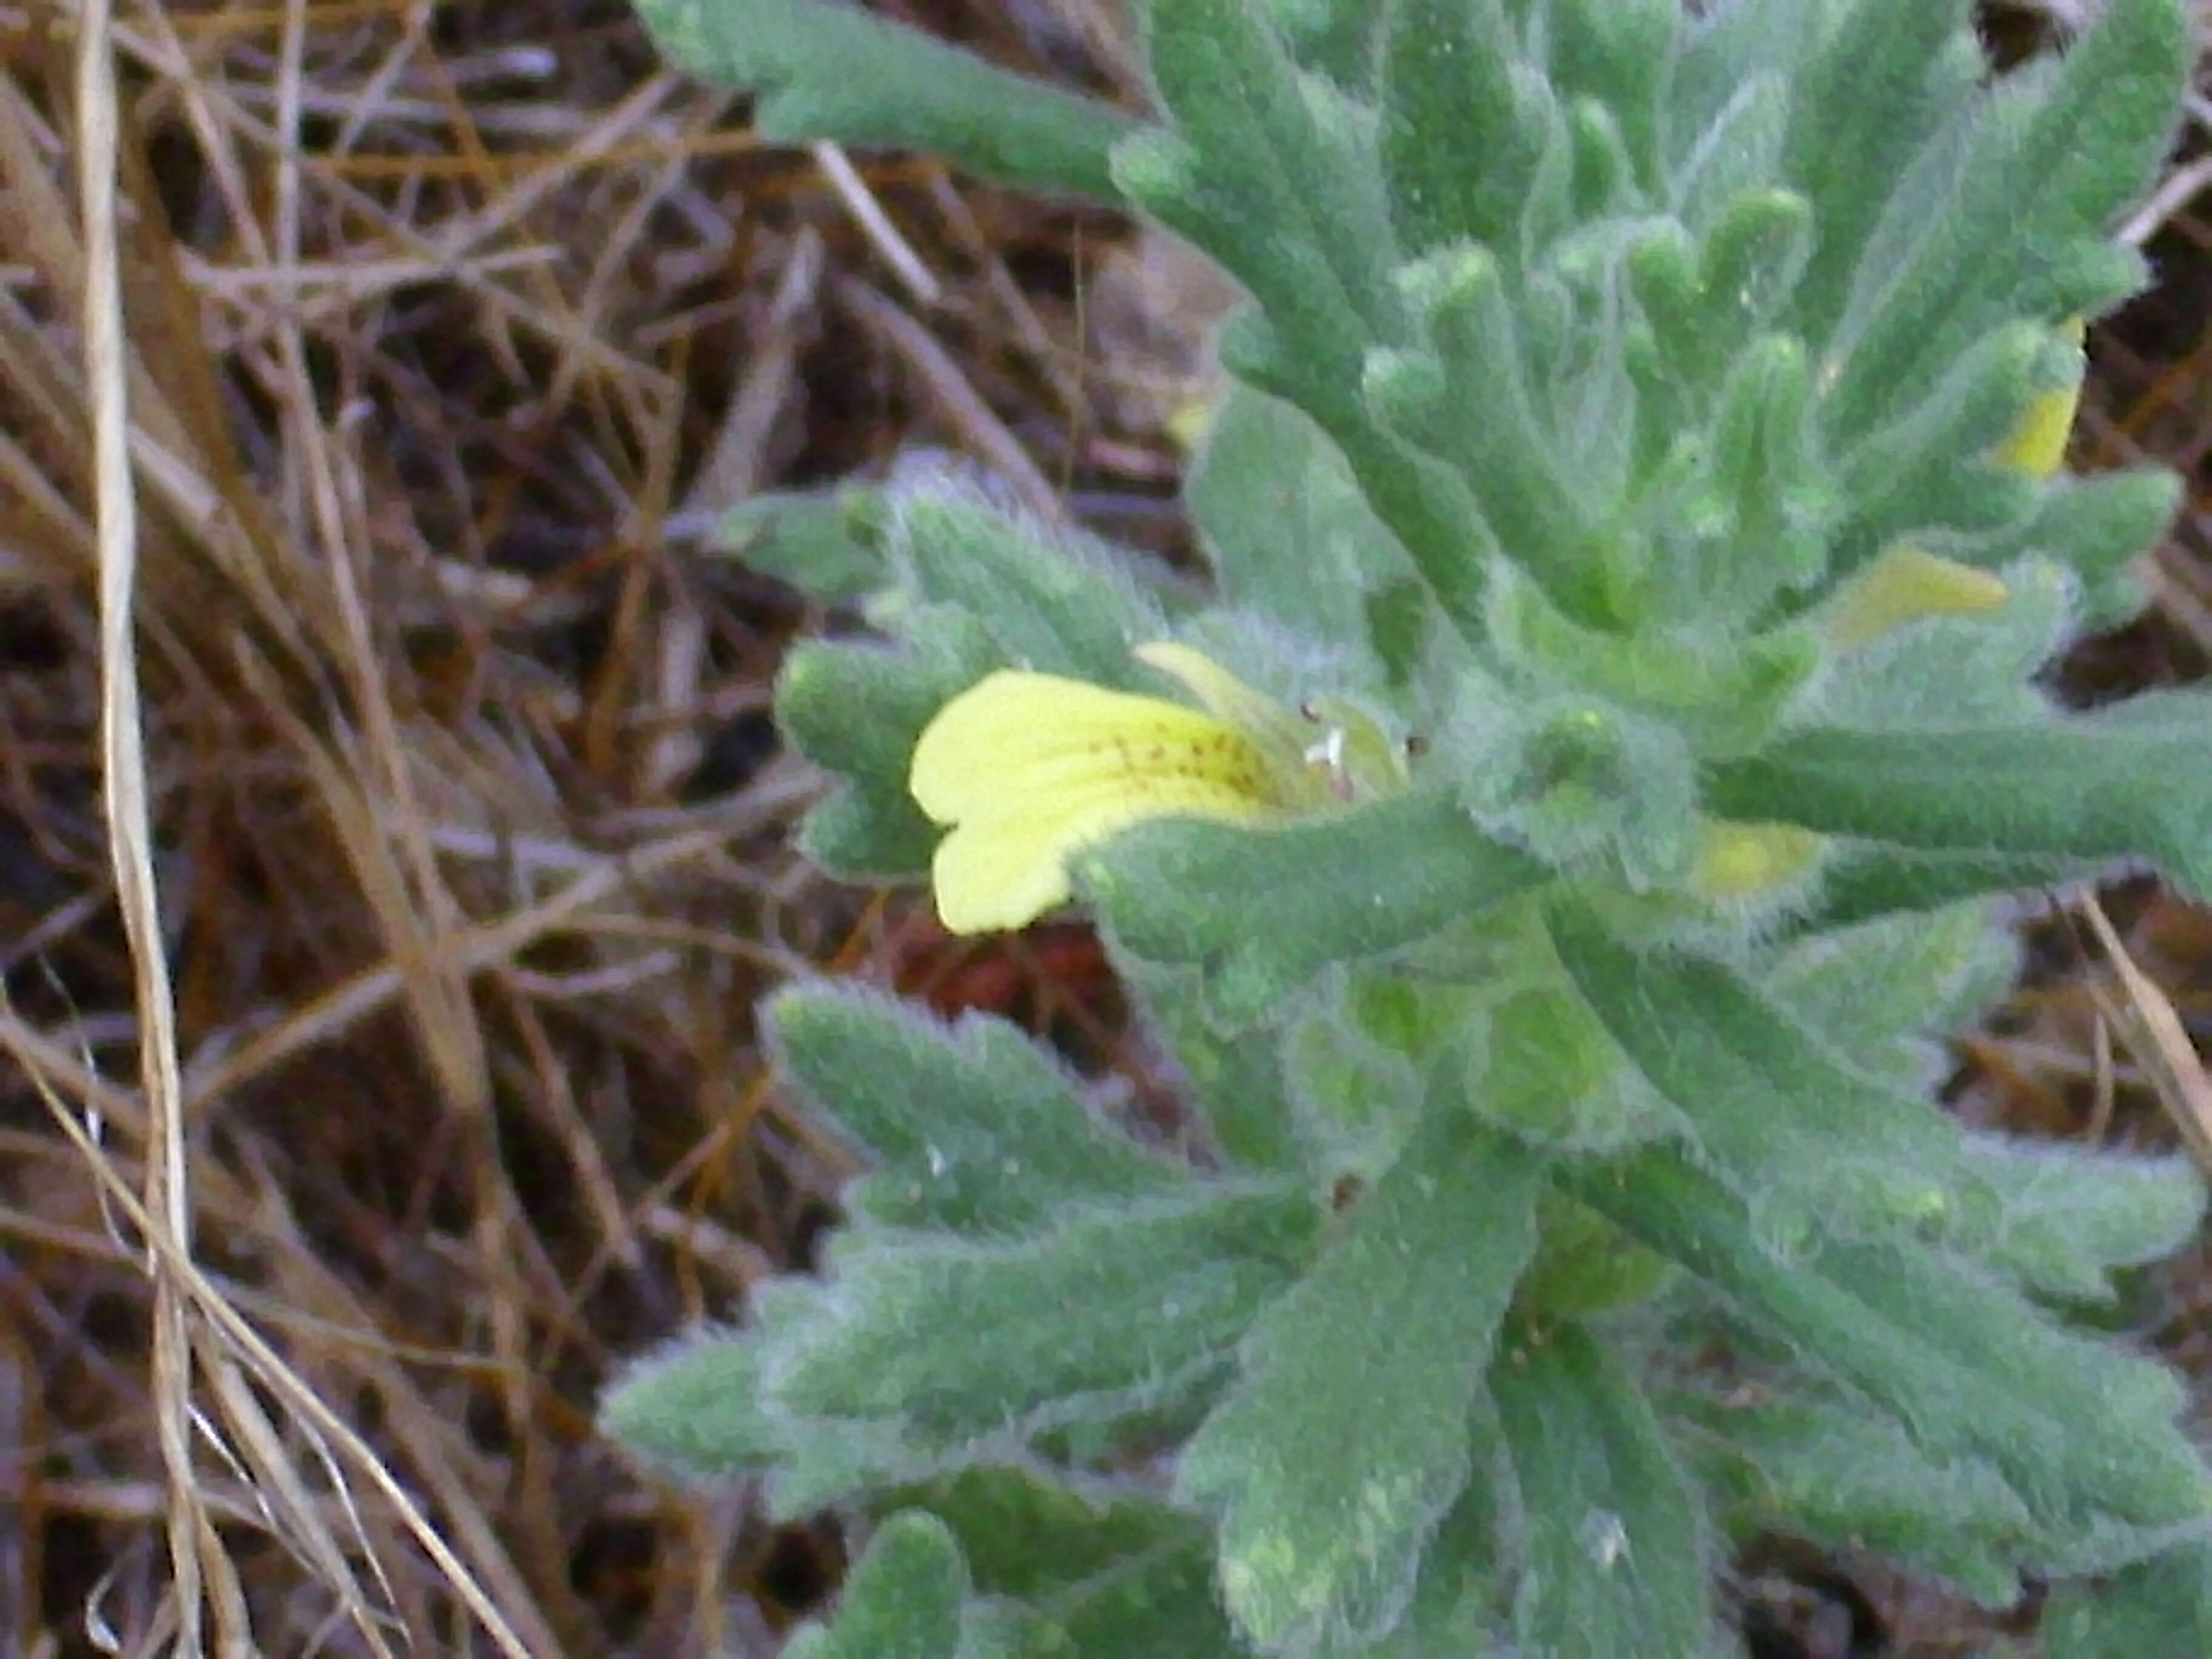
x=1015 y=736
x=1223 y=693
x=1030 y=767
x=997 y=873
x=1005 y=869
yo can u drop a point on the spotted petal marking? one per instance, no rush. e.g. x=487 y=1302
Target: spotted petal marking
x=1029 y=768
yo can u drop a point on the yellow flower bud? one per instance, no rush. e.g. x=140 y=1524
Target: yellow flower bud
x=2038 y=445
x=1905 y=585
x=1742 y=861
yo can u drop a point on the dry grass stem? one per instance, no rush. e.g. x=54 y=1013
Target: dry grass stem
x=393 y=833
x=2155 y=1032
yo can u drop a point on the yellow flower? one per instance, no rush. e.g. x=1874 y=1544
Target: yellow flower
x=1030 y=769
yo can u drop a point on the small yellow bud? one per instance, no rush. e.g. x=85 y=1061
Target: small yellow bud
x=1742 y=861
x=2038 y=445
x=1905 y=585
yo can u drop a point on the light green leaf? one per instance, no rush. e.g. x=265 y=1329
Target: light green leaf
x=1930 y=469
x=818 y=543
x=2162 y=1606
x=1546 y=1071
x=1762 y=1095
x=1457 y=1608
x=1290 y=535
x=2083 y=1434
x=1234 y=1080
x=1055 y=602
x=1146 y=1301
x=695 y=1408
x=1000 y=1515
x=902 y=1600
x=1116 y=1569
x=1463 y=122
x=1737 y=155
x=823 y=71
x=1358 y=1063
x=2097 y=528
x=1828 y=1470
x=1265 y=909
x=1885 y=990
x=1615 y=1544
x=857 y=709
x=1347 y=1440
x=2067 y=1216
x=976 y=1129
x=2087 y=1432
x=2129 y=782
x=1865 y=882
x=1880 y=81
x=2009 y=219
x=1614 y=53
x=1273 y=174
x=1466 y=399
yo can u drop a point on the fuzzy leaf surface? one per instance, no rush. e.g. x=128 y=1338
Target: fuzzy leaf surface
x=1762 y=1094
x=1289 y=532
x=2134 y=781
x=942 y=1335
x=1829 y=1469
x=2007 y=217
x=1264 y=910
x=2081 y=1434
x=1113 y=1567
x=1346 y=1440
x=976 y=1129
x=1614 y=1551
x=2161 y=1605
x=820 y=70
x=695 y=1406
x=902 y=1600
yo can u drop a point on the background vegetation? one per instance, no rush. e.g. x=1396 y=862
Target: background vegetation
x=450 y=330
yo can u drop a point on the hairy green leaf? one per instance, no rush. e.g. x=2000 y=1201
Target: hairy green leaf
x=1614 y=1551
x=2134 y=781
x=1347 y=1439
x=976 y=1129
x=821 y=70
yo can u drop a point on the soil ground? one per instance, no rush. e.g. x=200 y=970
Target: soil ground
x=452 y=328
